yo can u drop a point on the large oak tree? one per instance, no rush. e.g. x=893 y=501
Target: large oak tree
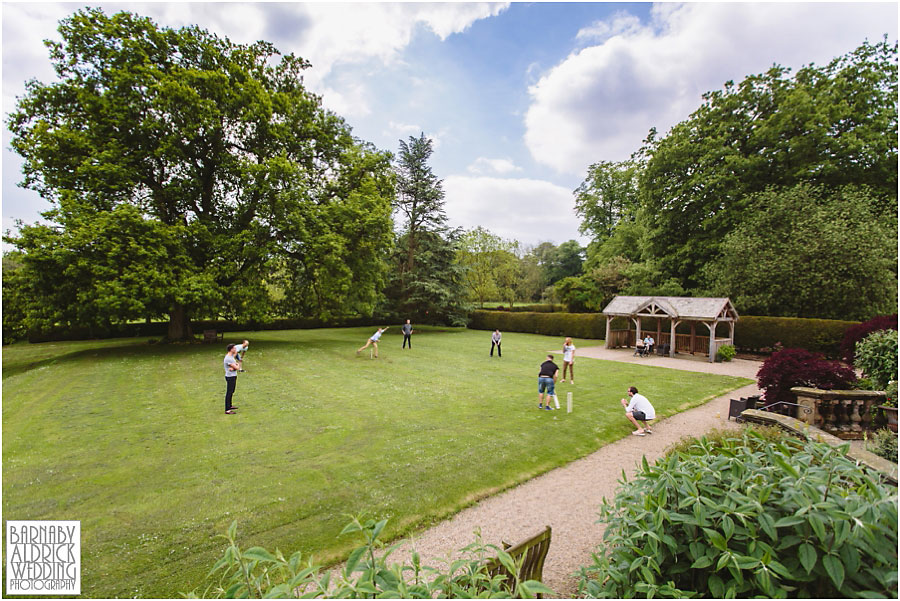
x=191 y=176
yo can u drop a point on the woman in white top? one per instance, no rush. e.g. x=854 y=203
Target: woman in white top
x=568 y=360
x=373 y=339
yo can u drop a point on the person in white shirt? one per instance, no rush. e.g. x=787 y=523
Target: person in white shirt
x=373 y=340
x=648 y=344
x=496 y=337
x=639 y=409
x=568 y=360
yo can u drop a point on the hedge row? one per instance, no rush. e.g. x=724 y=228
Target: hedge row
x=758 y=334
x=578 y=325
x=130 y=330
x=752 y=333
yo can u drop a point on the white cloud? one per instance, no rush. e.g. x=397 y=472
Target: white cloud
x=620 y=23
x=528 y=210
x=600 y=102
x=484 y=165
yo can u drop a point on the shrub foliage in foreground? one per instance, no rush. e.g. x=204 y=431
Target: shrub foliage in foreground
x=255 y=572
x=741 y=517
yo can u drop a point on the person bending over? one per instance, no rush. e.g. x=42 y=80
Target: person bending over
x=639 y=410
x=373 y=340
x=547 y=382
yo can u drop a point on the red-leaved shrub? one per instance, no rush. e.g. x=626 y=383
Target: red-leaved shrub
x=854 y=334
x=800 y=367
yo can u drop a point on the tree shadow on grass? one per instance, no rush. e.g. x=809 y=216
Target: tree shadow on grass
x=14 y=367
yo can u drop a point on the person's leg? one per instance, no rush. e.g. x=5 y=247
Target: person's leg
x=499 y=354
x=362 y=348
x=375 y=344
x=493 y=344
x=634 y=421
x=409 y=339
x=572 y=372
x=540 y=393
x=229 y=392
x=551 y=394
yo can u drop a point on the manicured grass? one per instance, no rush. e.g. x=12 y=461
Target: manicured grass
x=131 y=438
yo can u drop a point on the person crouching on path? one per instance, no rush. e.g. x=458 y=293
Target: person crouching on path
x=231 y=369
x=495 y=341
x=407 y=334
x=373 y=339
x=568 y=360
x=639 y=410
x=239 y=351
x=547 y=381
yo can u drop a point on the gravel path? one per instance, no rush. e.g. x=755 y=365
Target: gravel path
x=567 y=498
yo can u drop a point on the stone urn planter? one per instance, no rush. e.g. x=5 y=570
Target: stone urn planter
x=891 y=414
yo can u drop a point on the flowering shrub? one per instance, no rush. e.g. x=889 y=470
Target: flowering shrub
x=854 y=334
x=799 y=367
x=876 y=356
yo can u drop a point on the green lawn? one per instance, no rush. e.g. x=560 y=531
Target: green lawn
x=131 y=438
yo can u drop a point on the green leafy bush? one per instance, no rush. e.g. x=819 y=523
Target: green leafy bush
x=726 y=352
x=753 y=333
x=744 y=517
x=577 y=325
x=876 y=356
x=890 y=394
x=256 y=572
x=884 y=444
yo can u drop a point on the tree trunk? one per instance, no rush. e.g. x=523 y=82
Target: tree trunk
x=179 y=324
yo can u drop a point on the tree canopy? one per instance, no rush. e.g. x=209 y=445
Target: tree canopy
x=833 y=126
x=183 y=171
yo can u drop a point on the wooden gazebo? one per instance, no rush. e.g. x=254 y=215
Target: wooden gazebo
x=677 y=309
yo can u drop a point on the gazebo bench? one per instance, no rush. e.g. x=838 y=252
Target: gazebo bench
x=213 y=336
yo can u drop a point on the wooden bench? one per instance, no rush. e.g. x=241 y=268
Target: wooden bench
x=533 y=549
x=213 y=336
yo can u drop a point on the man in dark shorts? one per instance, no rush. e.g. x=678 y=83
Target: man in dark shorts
x=547 y=382
x=639 y=410
x=407 y=334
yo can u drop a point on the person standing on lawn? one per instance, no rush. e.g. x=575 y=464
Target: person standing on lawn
x=373 y=339
x=495 y=341
x=547 y=382
x=568 y=360
x=639 y=410
x=231 y=369
x=407 y=334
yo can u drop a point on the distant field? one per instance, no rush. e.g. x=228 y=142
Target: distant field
x=131 y=438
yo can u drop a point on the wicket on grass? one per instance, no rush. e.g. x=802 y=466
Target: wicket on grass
x=568 y=402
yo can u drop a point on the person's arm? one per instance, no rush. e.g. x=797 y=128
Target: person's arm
x=556 y=373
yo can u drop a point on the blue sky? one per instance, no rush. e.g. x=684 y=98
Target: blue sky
x=519 y=98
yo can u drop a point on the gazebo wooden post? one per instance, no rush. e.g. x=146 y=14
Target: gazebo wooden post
x=693 y=336
x=658 y=331
x=672 y=325
x=606 y=342
x=731 y=332
x=712 y=340
x=637 y=325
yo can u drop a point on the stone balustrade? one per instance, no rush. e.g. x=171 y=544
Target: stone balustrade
x=843 y=413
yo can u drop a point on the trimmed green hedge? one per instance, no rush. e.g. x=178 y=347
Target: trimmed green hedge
x=577 y=325
x=752 y=333
x=159 y=328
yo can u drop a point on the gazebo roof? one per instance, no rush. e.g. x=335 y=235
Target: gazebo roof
x=676 y=307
